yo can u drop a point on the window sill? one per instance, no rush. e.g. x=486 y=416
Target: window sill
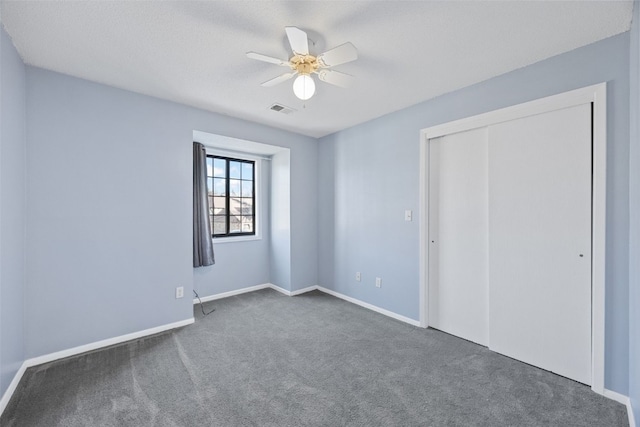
x=236 y=239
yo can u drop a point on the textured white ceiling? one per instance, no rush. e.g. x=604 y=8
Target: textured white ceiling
x=193 y=52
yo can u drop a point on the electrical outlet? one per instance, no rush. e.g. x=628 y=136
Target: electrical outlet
x=179 y=292
x=358 y=277
x=378 y=282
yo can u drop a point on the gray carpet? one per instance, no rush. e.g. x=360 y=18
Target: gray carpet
x=264 y=359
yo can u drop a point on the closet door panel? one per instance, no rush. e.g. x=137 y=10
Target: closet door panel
x=540 y=240
x=458 y=224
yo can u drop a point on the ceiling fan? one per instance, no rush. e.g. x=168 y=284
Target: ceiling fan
x=303 y=64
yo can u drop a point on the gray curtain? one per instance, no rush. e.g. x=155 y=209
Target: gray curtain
x=202 y=242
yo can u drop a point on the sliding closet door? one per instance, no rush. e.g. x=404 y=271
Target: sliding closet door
x=458 y=235
x=540 y=240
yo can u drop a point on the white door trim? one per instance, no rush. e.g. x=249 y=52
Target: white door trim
x=596 y=94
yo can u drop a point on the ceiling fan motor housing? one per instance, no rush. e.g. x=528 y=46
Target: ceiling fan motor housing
x=304 y=64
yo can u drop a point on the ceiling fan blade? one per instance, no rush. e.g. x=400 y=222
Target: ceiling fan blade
x=338 y=55
x=265 y=58
x=279 y=79
x=335 y=77
x=298 y=40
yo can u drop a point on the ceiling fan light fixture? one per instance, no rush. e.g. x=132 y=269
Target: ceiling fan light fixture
x=304 y=87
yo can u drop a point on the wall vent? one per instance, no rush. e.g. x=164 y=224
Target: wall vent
x=279 y=108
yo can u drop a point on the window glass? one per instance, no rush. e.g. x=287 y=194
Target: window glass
x=247 y=188
x=247 y=171
x=231 y=196
x=220 y=167
x=234 y=169
x=234 y=187
x=219 y=186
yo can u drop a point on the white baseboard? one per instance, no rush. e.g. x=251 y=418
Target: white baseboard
x=255 y=288
x=309 y=289
x=105 y=343
x=232 y=293
x=292 y=293
x=82 y=349
x=370 y=306
x=614 y=395
x=621 y=398
x=279 y=289
x=12 y=387
x=303 y=290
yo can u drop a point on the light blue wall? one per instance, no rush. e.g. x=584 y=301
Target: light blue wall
x=634 y=218
x=12 y=210
x=369 y=175
x=230 y=271
x=280 y=224
x=304 y=218
x=109 y=219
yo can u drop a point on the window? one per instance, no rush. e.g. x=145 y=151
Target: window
x=231 y=188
